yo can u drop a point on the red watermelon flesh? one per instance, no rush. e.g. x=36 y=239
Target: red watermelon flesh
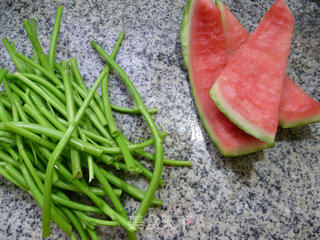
x=205 y=54
x=296 y=107
x=249 y=88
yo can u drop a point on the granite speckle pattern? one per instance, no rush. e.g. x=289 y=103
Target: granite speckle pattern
x=273 y=194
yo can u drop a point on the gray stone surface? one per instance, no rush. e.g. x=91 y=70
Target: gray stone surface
x=273 y=194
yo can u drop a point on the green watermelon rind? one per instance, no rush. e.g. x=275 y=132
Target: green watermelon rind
x=300 y=123
x=184 y=39
x=237 y=118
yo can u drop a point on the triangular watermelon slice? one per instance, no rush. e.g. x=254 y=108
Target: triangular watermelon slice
x=249 y=88
x=205 y=54
x=296 y=107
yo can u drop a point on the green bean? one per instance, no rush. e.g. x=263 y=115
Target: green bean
x=73 y=236
x=12 y=152
x=62 y=97
x=97 y=138
x=10 y=126
x=62 y=124
x=146 y=172
x=7 y=141
x=82 y=145
x=55 y=197
x=4 y=115
x=5 y=174
x=122 y=166
x=17 y=107
x=36 y=115
x=79 y=80
x=31 y=29
x=94 y=111
x=74 y=205
x=63 y=185
x=58 y=150
x=46 y=84
x=51 y=98
x=27 y=68
x=105 y=96
x=92 y=234
x=16 y=61
x=96 y=221
x=114 y=131
x=5 y=134
x=133 y=191
x=17 y=91
x=22 y=128
x=61 y=107
x=6 y=103
x=8 y=159
x=76 y=223
x=134 y=110
x=74 y=154
x=165 y=161
x=100 y=203
x=108 y=189
x=158 y=166
x=41 y=69
x=89 y=158
x=114 y=199
x=54 y=38
x=19 y=140
x=65 y=226
x=46 y=113
x=17 y=176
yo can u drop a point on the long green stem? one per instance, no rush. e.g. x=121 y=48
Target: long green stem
x=133 y=191
x=158 y=165
x=5 y=174
x=51 y=76
x=58 y=150
x=23 y=128
x=77 y=75
x=31 y=29
x=16 y=61
x=103 y=206
x=105 y=95
x=65 y=226
x=74 y=154
x=51 y=98
x=133 y=110
x=54 y=38
x=76 y=223
x=166 y=161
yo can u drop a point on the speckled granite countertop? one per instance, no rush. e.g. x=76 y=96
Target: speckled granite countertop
x=274 y=194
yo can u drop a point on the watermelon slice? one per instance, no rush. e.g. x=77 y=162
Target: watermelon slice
x=296 y=107
x=205 y=54
x=249 y=88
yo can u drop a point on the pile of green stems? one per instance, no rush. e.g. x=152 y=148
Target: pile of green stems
x=56 y=137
